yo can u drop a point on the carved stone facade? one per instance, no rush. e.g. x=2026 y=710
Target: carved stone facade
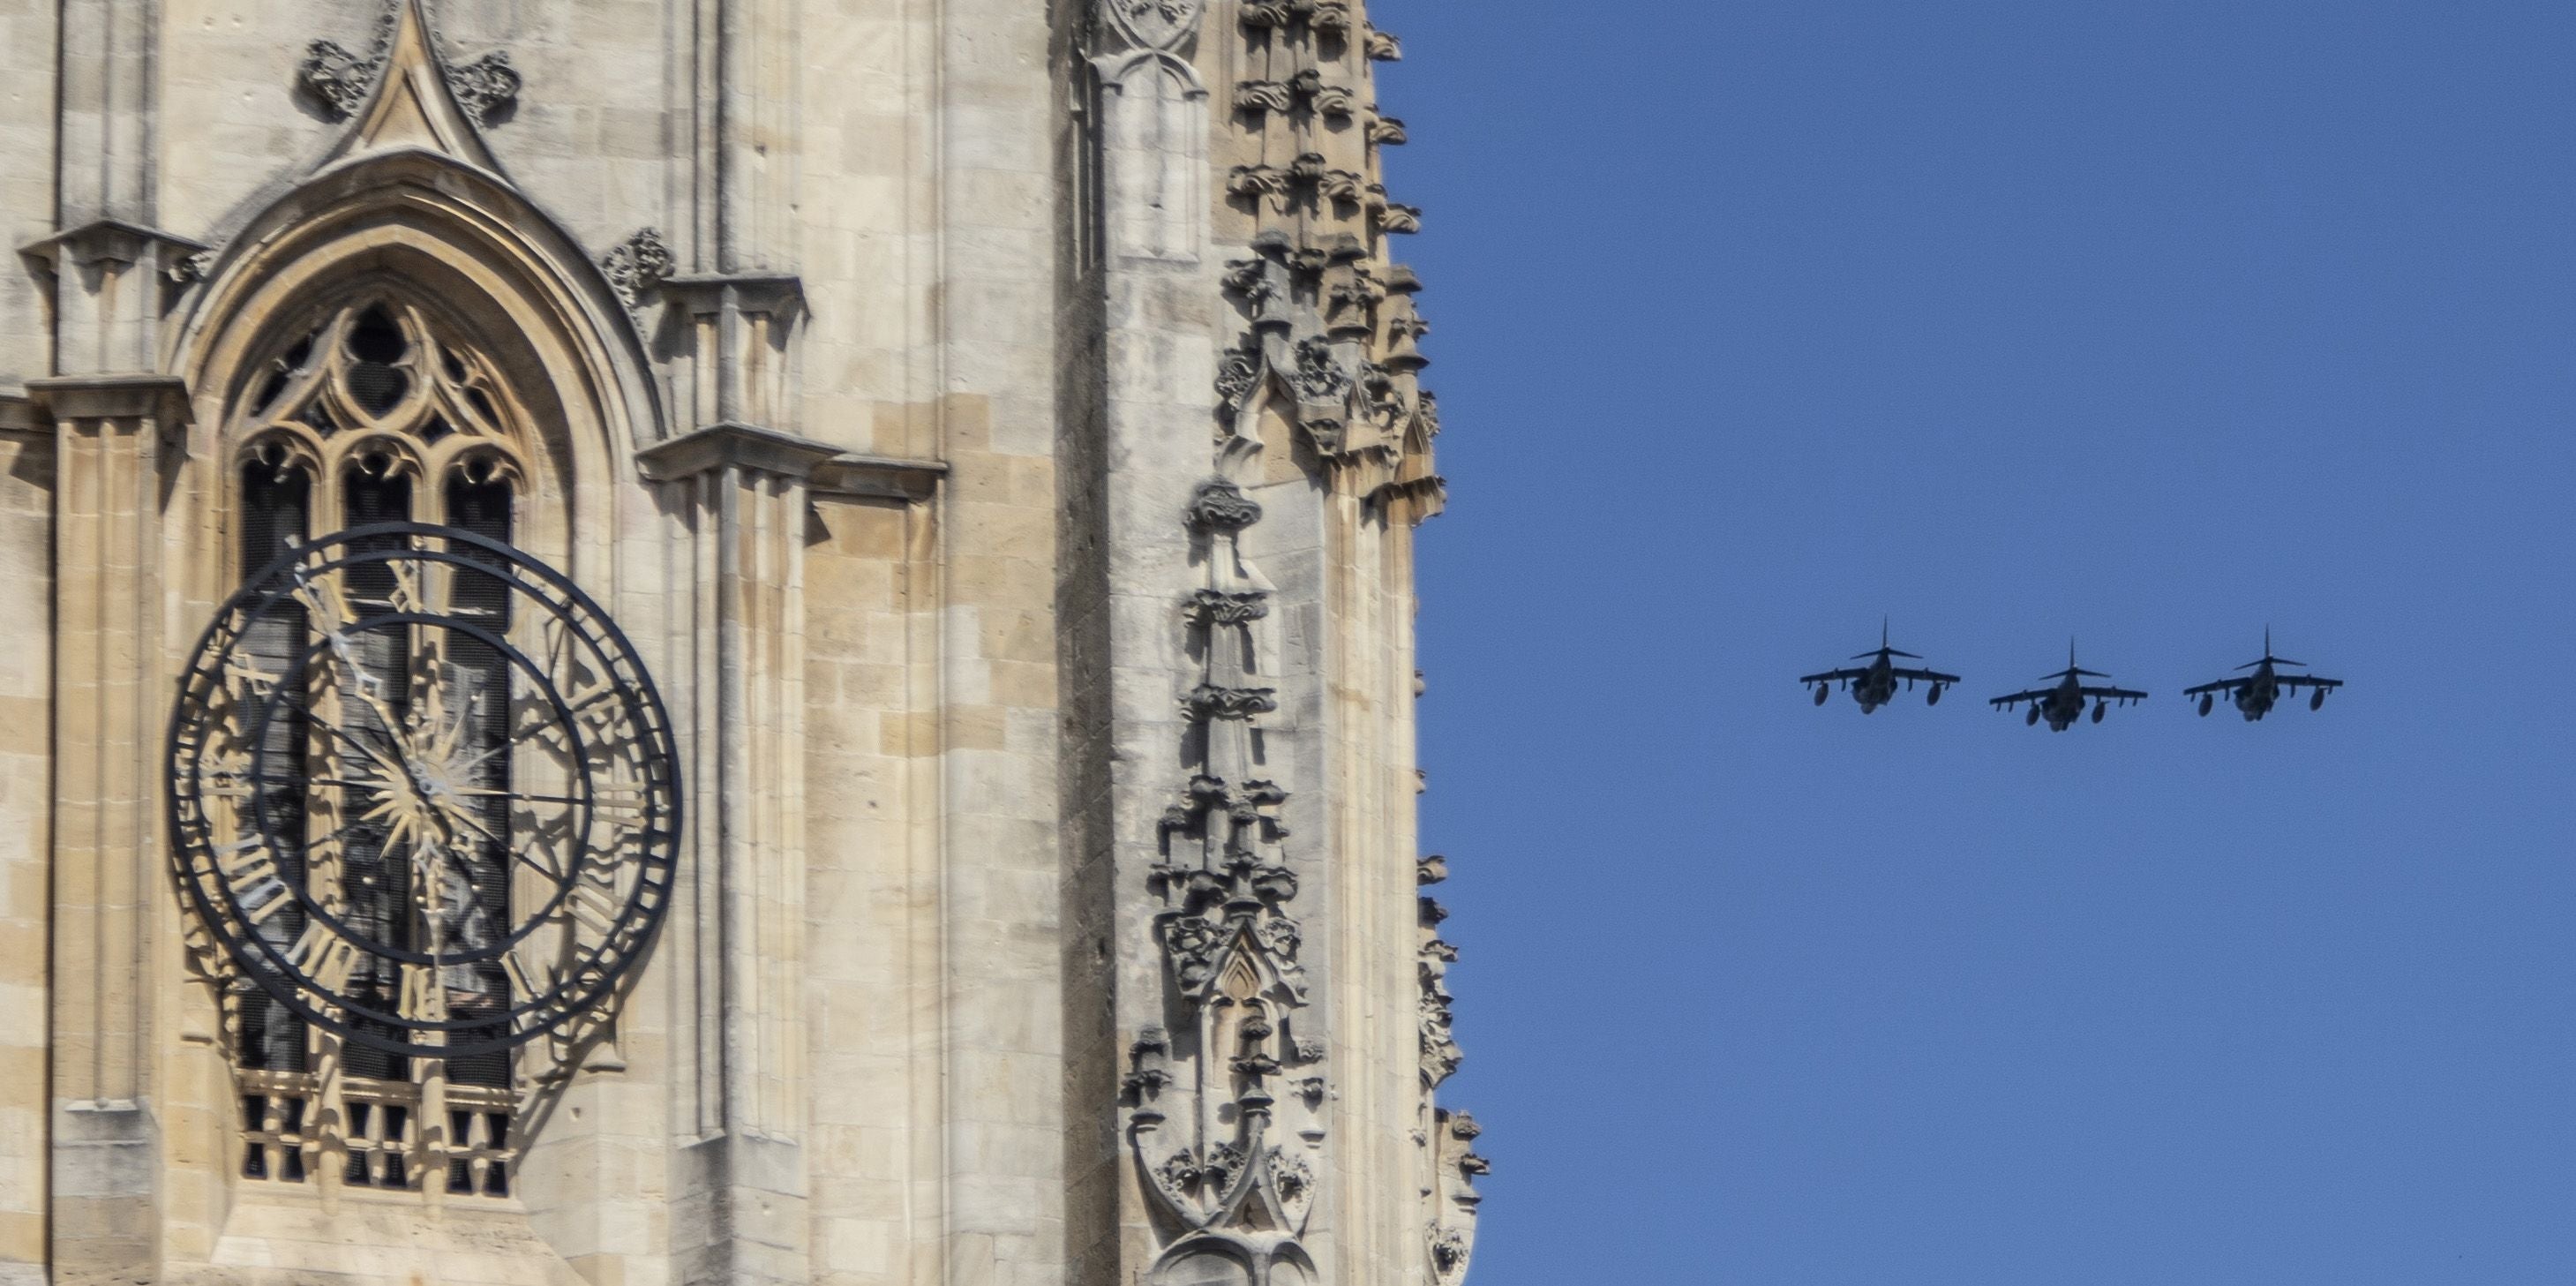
x=996 y=427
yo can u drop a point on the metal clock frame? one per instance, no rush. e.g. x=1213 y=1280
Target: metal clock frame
x=601 y=970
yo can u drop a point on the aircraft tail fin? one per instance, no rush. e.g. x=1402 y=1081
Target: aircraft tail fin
x=2268 y=658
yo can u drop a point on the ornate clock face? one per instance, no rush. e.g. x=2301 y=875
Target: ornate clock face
x=423 y=792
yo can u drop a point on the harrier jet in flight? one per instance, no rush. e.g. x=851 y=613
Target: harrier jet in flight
x=1874 y=685
x=2255 y=694
x=2061 y=703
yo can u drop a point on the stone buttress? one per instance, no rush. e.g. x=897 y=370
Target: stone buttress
x=1279 y=1015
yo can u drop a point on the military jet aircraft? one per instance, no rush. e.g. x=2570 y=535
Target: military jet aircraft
x=1874 y=685
x=2061 y=703
x=2255 y=694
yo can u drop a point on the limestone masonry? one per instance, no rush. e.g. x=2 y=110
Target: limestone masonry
x=865 y=733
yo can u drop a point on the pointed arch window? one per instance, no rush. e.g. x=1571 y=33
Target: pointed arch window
x=378 y=409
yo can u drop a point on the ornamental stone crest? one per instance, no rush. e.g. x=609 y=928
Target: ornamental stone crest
x=638 y=264
x=485 y=87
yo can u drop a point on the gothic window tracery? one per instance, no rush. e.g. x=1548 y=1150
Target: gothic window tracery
x=378 y=412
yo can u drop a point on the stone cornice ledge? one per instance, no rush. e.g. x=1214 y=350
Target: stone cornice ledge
x=730 y=444
x=109 y=239
x=824 y=468
x=113 y=397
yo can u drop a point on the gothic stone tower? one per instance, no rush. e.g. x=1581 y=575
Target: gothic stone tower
x=745 y=641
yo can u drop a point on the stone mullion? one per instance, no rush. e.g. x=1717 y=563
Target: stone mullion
x=324 y=1049
x=326 y=1151
x=428 y=1158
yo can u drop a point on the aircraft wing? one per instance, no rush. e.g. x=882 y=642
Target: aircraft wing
x=2297 y=681
x=2223 y=685
x=1925 y=676
x=1831 y=676
x=2006 y=703
x=2116 y=694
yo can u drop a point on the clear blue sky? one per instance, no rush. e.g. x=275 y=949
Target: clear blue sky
x=2147 y=323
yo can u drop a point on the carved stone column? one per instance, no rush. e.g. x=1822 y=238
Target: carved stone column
x=730 y=342
x=740 y=1196
x=107 y=107
x=726 y=334
x=110 y=278
x=113 y=437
